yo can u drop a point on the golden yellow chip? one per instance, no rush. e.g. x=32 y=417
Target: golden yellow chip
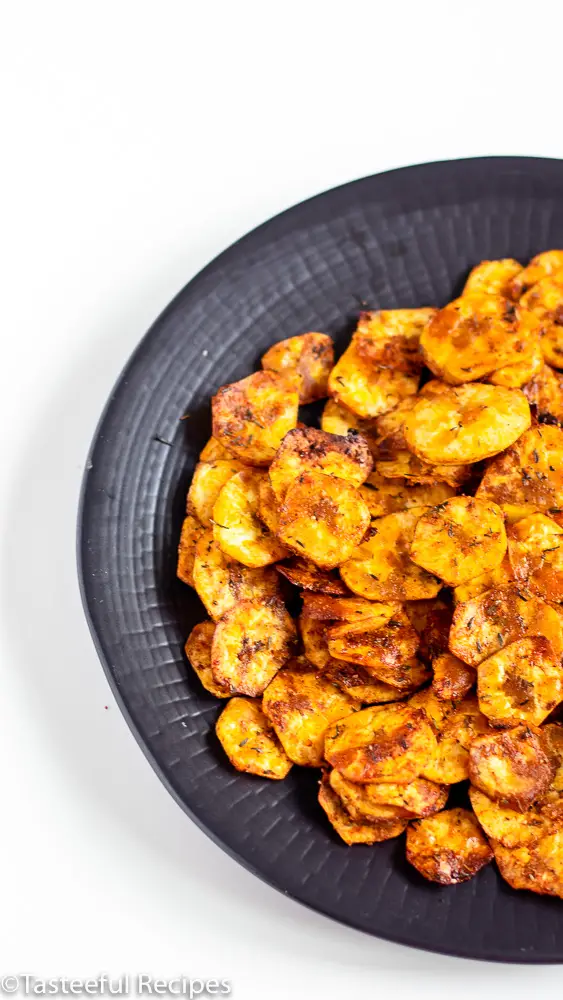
x=529 y=476
x=198 y=652
x=268 y=509
x=381 y=743
x=315 y=642
x=492 y=277
x=251 y=643
x=387 y=651
x=338 y=419
x=384 y=800
x=511 y=766
x=251 y=417
x=307 y=358
x=509 y=827
x=477 y=334
x=301 y=703
x=326 y=607
x=535 y=548
x=323 y=519
x=249 y=741
x=486 y=624
x=466 y=424
x=308 y=577
x=308 y=450
x=360 y=685
x=350 y=830
x=455 y=725
x=516 y=376
x=521 y=683
x=388 y=496
x=390 y=424
x=390 y=338
x=459 y=539
x=237 y=529
x=192 y=531
x=381 y=569
x=220 y=582
x=545 y=302
x=357 y=803
x=207 y=482
x=449 y=847
x=405 y=465
x=545 y=394
x=214 y=451
x=452 y=679
x=497 y=577
x=537 y=867
x=540 y=266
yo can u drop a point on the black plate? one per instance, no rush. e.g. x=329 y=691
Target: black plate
x=404 y=238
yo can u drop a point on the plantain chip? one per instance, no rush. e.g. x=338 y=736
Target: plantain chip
x=307 y=359
x=451 y=679
x=381 y=743
x=535 y=548
x=220 y=582
x=249 y=741
x=251 y=417
x=492 y=277
x=207 y=482
x=511 y=766
x=350 y=830
x=198 y=652
x=308 y=450
x=521 y=683
x=323 y=519
x=449 y=847
x=459 y=539
x=251 y=643
x=192 y=531
x=237 y=528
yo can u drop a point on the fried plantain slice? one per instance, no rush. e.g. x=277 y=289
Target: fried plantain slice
x=323 y=518
x=521 y=683
x=361 y=686
x=268 y=510
x=544 y=393
x=386 y=651
x=486 y=624
x=540 y=266
x=348 y=609
x=207 y=482
x=309 y=577
x=192 y=531
x=381 y=366
x=507 y=826
x=249 y=741
x=537 y=867
x=381 y=569
x=511 y=766
x=497 y=577
x=350 y=830
x=251 y=643
x=477 y=334
x=237 y=528
x=449 y=847
x=381 y=743
x=338 y=419
x=388 y=496
x=251 y=417
x=220 y=582
x=214 y=451
x=455 y=725
x=529 y=476
x=452 y=679
x=301 y=703
x=459 y=539
x=432 y=620
x=492 y=277
x=315 y=642
x=198 y=652
x=466 y=424
x=308 y=450
x=535 y=548
x=545 y=302
x=384 y=800
x=307 y=359
x=516 y=376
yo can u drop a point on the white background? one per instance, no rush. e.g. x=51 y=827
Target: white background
x=138 y=140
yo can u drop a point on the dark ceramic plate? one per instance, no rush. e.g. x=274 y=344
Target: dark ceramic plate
x=404 y=238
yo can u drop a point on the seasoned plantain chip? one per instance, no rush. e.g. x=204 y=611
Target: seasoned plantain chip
x=537 y=867
x=486 y=624
x=251 y=417
x=308 y=450
x=516 y=376
x=497 y=577
x=477 y=334
x=492 y=277
x=466 y=424
x=387 y=651
x=251 y=642
x=237 y=528
x=338 y=419
x=388 y=496
x=529 y=476
x=307 y=359
x=512 y=766
x=356 y=801
x=350 y=830
x=544 y=393
x=220 y=582
x=301 y=703
x=455 y=725
x=509 y=827
x=214 y=451
x=545 y=302
x=535 y=548
x=207 y=482
x=389 y=339
x=249 y=741
x=268 y=510
x=192 y=531
x=459 y=539
x=381 y=569
x=348 y=609
x=452 y=679
x=384 y=800
x=315 y=642
x=198 y=652
x=449 y=847
x=323 y=518
x=432 y=620
x=540 y=266
x=361 y=686
x=381 y=743
x=521 y=683
x=405 y=465
x=309 y=577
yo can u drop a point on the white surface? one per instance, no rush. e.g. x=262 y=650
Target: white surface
x=139 y=139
